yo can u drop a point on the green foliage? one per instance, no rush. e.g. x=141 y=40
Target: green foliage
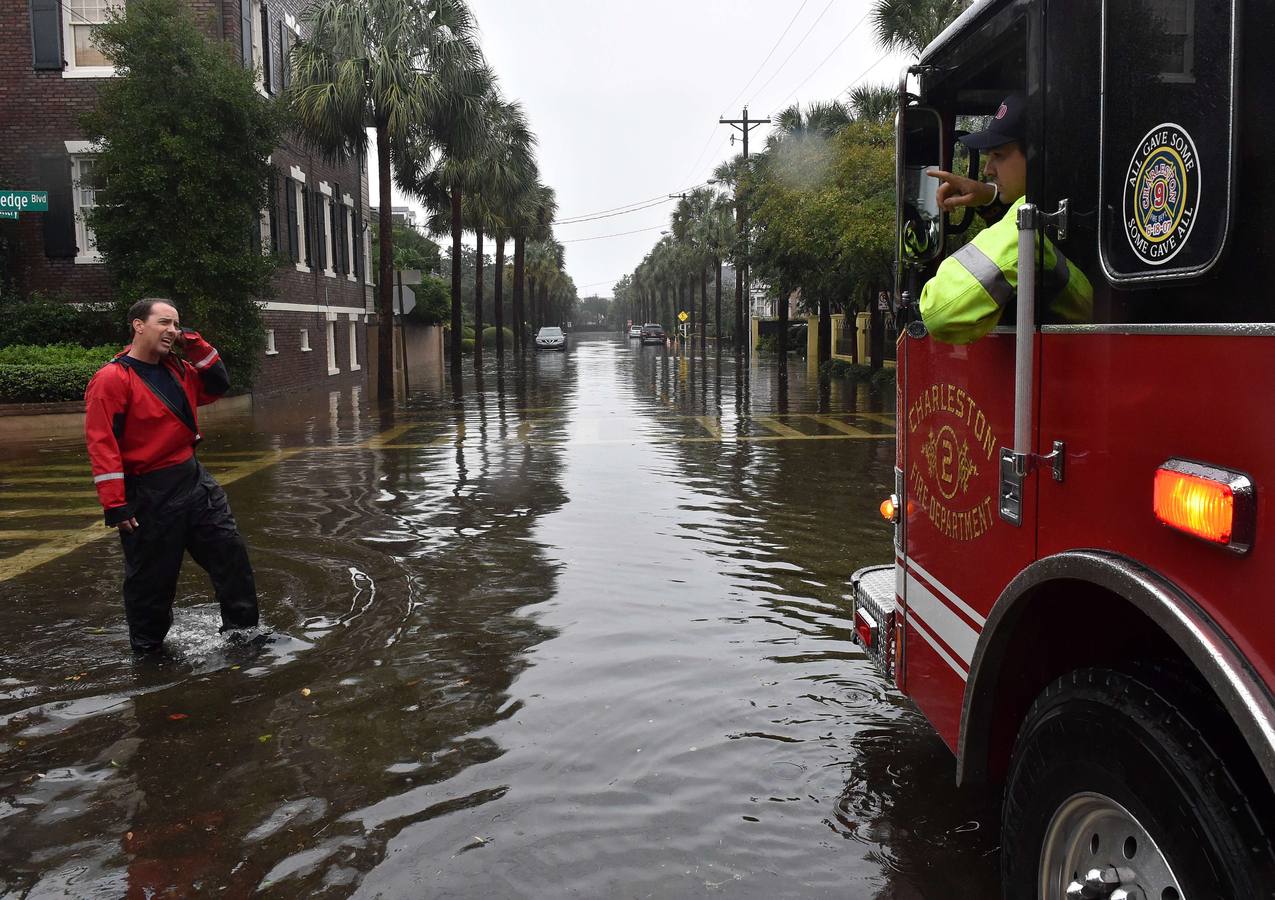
x=39 y=319
x=433 y=301
x=32 y=374
x=182 y=176
x=467 y=346
x=410 y=249
x=56 y=354
x=840 y=368
x=489 y=337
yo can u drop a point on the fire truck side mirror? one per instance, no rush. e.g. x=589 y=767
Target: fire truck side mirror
x=919 y=149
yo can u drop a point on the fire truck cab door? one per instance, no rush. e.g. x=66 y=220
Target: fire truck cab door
x=957 y=413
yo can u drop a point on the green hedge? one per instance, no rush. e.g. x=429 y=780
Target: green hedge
x=37 y=318
x=840 y=368
x=489 y=337
x=467 y=345
x=32 y=374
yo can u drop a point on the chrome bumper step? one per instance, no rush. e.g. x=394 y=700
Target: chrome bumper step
x=872 y=590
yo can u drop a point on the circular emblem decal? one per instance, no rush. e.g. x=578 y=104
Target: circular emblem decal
x=1161 y=192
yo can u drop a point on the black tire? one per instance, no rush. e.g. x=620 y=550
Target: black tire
x=1115 y=736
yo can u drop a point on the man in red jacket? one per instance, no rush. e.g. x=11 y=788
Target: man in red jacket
x=141 y=429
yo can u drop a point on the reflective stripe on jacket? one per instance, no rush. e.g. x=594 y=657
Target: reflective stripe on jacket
x=965 y=298
x=130 y=430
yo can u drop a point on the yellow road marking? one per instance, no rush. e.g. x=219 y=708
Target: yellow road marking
x=44 y=495
x=772 y=424
x=50 y=513
x=711 y=424
x=843 y=427
x=878 y=417
x=388 y=435
x=31 y=535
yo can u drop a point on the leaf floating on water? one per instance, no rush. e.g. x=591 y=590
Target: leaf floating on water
x=305 y=692
x=234 y=668
x=115 y=764
x=265 y=738
x=177 y=717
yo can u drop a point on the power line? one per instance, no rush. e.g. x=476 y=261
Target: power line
x=599 y=237
x=880 y=59
x=826 y=58
x=767 y=59
x=793 y=52
x=567 y=220
x=623 y=212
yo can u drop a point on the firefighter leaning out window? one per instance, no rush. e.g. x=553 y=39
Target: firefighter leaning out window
x=965 y=298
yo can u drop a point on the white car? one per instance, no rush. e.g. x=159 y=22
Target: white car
x=635 y=332
x=551 y=338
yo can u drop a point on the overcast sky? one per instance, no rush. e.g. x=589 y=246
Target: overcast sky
x=624 y=97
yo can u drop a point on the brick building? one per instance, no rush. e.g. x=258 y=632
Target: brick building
x=317 y=324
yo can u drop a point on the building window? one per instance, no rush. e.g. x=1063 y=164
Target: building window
x=326 y=211
x=303 y=226
x=84 y=192
x=367 y=256
x=332 y=369
x=80 y=21
x=350 y=225
x=270 y=350
x=354 y=346
x=305 y=340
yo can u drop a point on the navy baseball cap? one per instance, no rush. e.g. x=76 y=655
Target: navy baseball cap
x=1009 y=124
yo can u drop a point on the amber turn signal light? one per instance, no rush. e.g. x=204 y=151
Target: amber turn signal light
x=889 y=508
x=1214 y=504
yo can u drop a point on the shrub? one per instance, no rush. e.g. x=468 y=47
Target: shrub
x=489 y=337
x=433 y=300
x=467 y=345
x=48 y=374
x=39 y=319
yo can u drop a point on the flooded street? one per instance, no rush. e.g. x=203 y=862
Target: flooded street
x=579 y=632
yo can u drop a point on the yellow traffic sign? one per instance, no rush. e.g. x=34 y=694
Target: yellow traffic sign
x=683 y=316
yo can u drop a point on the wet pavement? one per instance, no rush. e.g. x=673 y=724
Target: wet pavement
x=579 y=632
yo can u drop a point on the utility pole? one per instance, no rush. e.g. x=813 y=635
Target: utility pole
x=743 y=125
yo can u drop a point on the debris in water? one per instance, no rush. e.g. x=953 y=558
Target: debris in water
x=177 y=717
x=305 y=692
x=265 y=737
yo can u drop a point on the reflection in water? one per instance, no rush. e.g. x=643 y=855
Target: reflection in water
x=578 y=629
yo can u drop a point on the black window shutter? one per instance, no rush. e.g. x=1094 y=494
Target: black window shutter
x=272 y=205
x=285 y=54
x=290 y=201
x=59 y=221
x=245 y=31
x=307 y=211
x=338 y=231
x=265 y=50
x=46 y=34
x=320 y=232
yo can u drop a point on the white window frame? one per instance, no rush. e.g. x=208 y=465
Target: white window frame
x=71 y=70
x=367 y=256
x=298 y=179
x=85 y=241
x=328 y=250
x=270 y=348
x=333 y=369
x=347 y=210
x=305 y=340
x=354 y=344
x=258 y=49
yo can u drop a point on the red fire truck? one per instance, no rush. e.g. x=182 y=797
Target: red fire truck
x=1082 y=600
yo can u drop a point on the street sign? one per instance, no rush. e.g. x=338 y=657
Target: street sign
x=23 y=201
x=683 y=316
x=8 y=213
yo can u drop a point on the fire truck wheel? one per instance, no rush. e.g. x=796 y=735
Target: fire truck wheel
x=1112 y=787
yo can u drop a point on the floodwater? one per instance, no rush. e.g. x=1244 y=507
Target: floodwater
x=578 y=632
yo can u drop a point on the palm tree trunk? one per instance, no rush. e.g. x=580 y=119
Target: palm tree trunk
x=385 y=266
x=717 y=298
x=520 y=278
x=825 y=330
x=740 y=340
x=500 y=297
x=544 y=301
x=457 y=324
x=531 y=297
x=478 y=303
x=783 y=323
x=703 y=309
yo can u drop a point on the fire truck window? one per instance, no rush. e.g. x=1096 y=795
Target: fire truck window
x=1167 y=138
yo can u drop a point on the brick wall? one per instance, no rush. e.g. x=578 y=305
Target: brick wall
x=39 y=112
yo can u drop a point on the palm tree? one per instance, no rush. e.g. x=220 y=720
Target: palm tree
x=443 y=161
x=538 y=207
x=510 y=171
x=874 y=102
x=910 y=25
x=822 y=119
x=729 y=173
x=387 y=65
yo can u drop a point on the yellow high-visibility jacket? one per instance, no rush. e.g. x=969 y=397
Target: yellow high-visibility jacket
x=965 y=298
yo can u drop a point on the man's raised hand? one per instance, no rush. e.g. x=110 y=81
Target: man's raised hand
x=957 y=190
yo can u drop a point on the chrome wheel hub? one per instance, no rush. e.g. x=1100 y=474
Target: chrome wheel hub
x=1095 y=849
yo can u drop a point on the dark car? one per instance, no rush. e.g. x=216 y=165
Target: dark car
x=652 y=334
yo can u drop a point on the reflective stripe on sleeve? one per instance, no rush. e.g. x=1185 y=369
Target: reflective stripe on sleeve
x=206 y=361
x=109 y=476
x=985 y=272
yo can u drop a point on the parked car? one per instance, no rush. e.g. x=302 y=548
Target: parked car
x=636 y=332
x=652 y=333
x=551 y=338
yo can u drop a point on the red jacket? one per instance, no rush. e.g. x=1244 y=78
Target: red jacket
x=131 y=430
